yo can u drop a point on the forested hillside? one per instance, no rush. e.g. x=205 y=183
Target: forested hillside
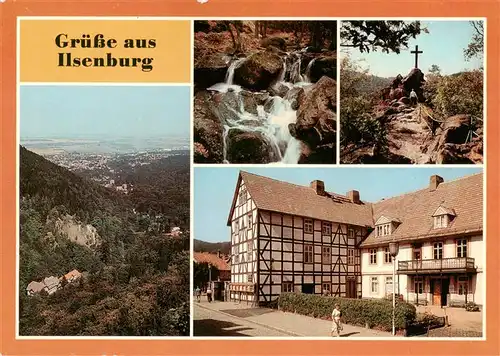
x=134 y=282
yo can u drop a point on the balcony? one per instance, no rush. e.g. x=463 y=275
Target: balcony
x=445 y=265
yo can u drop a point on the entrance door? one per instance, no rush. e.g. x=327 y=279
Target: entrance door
x=351 y=288
x=436 y=295
x=308 y=288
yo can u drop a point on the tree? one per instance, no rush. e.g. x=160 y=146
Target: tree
x=476 y=45
x=434 y=69
x=388 y=36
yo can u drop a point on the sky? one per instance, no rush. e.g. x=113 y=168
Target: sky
x=214 y=188
x=444 y=45
x=104 y=111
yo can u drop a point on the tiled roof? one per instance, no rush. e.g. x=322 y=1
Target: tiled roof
x=463 y=197
x=211 y=258
x=283 y=197
x=74 y=273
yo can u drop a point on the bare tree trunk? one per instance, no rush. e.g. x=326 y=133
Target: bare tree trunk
x=236 y=40
x=265 y=29
x=257 y=24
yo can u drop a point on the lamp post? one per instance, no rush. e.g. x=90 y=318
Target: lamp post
x=393 y=250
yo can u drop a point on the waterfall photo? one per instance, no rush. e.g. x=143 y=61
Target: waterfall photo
x=265 y=92
x=411 y=93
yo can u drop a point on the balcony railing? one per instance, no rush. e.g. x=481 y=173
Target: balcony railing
x=456 y=264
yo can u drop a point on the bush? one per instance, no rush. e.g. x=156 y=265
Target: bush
x=376 y=313
x=471 y=307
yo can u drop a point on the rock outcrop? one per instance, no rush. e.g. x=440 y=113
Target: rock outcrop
x=208 y=131
x=259 y=70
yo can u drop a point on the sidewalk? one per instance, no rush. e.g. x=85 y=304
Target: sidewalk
x=290 y=323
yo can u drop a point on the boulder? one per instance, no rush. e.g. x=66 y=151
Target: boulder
x=316 y=114
x=404 y=100
x=248 y=147
x=209 y=70
x=397 y=81
x=259 y=71
x=323 y=66
x=456 y=128
x=293 y=96
x=414 y=80
x=396 y=94
x=279 y=89
x=325 y=154
x=207 y=130
x=277 y=42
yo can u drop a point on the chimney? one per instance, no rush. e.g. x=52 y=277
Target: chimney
x=353 y=196
x=318 y=186
x=434 y=182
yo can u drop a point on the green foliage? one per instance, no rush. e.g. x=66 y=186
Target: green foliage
x=135 y=283
x=460 y=93
x=476 y=45
x=376 y=313
x=356 y=123
x=201 y=274
x=472 y=307
x=388 y=36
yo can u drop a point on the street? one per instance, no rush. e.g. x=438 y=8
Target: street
x=209 y=322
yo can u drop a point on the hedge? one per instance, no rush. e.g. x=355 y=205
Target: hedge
x=374 y=313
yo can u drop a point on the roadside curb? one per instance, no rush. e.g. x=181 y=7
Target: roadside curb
x=253 y=322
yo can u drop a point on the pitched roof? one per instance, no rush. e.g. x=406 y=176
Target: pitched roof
x=274 y=195
x=35 y=286
x=51 y=281
x=74 y=273
x=415 y=211
x=211 y=258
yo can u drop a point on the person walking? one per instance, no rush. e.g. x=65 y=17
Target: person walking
x=413 y=97
x=336 y=324
x=209 y=294
x=197 y=292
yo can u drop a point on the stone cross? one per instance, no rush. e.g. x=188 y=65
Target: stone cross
x=416 y=51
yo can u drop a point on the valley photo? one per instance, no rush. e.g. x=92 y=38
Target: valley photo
x=412 y=92
x=265 y=92
x=104 y=211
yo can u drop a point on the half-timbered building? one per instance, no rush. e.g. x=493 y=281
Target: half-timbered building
x=286 y=237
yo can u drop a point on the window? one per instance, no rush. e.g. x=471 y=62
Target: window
x=308 y=254
x=351 y=233
x=350 y=257
x=242 y=222
x=383 y=230
x=243 y=196
x=236 y=226
x=249 y=278
x=327 y=228
x=308 y=226
x=462 y=248
x=388 y=285
x=387 y=255
x=249 y=221
x=417 y=253
x=440 y=221
x=438 y=250
x=327 y=287
x=236 y=259
x=249 y=250
x=286 y=287
x=373 y=256
x=463 y=285
x=418 y=284
x=327 y=255
x=374 y=285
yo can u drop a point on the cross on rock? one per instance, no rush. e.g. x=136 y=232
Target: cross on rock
x=416 y=52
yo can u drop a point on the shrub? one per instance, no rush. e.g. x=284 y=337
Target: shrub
x=471 y=307
x=376 y=313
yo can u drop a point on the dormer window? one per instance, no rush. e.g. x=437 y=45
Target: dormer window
x=440 y=221
x=385 y=226
x=442 y=217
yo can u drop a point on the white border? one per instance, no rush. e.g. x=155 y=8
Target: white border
x=221 y=166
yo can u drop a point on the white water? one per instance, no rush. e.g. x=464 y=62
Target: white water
x=308 y=70
x=271 y=124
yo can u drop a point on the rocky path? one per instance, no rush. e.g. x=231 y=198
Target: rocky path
x=409 y=135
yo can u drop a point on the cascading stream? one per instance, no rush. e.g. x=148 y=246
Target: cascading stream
x=271 y=120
